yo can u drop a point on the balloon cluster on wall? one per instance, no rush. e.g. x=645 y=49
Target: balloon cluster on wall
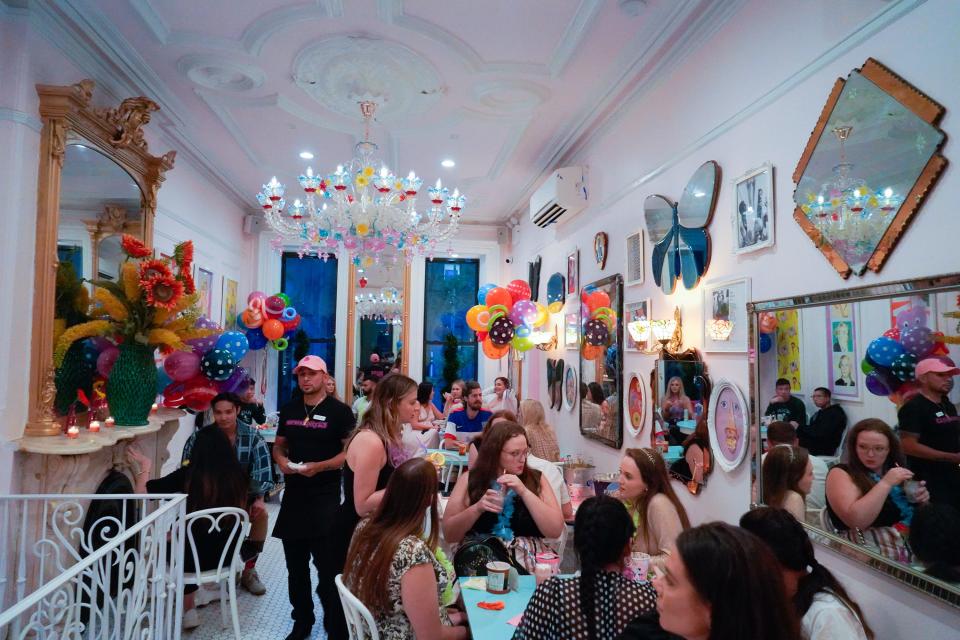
x=506 y=317
x=269 y=320
x=768 y=325
x=601 y=326
x=892 y=358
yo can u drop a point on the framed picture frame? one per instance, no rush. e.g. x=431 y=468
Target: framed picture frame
x=600 y=245
x=204 y=284
x=637 y=338
x=844 y=376
x=728 y=425
x=230 y=290
x=633 y=271
x=753 y=210
x=635 y=404
x=573 y=273
x=571 y=390
x=725 y=325
x=788 y=341
x=571 y=325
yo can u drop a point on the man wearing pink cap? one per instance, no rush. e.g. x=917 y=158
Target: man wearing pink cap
x=311 y=433
x=930 y=431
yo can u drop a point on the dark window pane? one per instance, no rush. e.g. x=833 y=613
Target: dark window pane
x=311 y=284
x=450 y=289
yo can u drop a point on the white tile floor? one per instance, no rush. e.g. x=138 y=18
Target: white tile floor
x=265 y=617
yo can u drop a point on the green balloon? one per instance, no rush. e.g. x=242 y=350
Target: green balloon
x=522 y=344
x=865 y=366
x=284 y=297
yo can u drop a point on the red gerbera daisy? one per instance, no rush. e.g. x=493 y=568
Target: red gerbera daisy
x=150 y=268
x=134 y=247
x=188 y=284
x=163 y=291
x=183 y=254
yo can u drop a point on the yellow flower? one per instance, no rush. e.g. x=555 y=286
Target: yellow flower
x=160 y=337
x=363 y=228
x=79 y=332
x=362 y=181
x=131 y=281
x=368 y=172
x=185 y=302
x=111 y=304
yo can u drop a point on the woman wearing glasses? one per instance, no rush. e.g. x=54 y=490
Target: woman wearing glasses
x=871 y=497
x=500 y=495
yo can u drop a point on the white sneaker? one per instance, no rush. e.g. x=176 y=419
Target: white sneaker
x=190 y=619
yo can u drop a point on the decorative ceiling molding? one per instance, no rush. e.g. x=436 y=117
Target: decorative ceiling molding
x=219 y=72
x=340 y=71
x=223 y=114
x=27 y=120
x=392 y=12
x=510 y=95
x=253 y=38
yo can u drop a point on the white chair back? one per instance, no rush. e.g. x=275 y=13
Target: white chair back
x=360 y=622
x=233 y=522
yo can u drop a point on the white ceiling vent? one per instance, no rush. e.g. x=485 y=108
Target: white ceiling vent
x=562 y=196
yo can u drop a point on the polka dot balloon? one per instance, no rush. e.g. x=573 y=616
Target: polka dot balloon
x=501 y=333
x=596 y=333
x=217 y=365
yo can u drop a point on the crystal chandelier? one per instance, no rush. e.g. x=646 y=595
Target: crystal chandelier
x=385 y=305
x=362 y=210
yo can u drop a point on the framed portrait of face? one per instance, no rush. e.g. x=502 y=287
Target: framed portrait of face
x=727 y=424
x=844 y=377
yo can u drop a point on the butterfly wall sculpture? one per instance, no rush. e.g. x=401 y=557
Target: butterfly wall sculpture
x=681 y=245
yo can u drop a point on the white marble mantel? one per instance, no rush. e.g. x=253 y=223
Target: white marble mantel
x=61 y=465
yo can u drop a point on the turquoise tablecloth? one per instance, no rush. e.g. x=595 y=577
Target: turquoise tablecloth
x=492 y=625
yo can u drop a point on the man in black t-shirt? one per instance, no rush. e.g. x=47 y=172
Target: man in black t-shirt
x=785 y=407
x=930 y=432
x=309 y=450
x=822 y=436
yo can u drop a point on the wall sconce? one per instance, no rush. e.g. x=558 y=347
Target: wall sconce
x=669 y=332
x=719 y=329
x=639 y=330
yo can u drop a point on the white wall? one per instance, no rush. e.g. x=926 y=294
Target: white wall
x=750 y=95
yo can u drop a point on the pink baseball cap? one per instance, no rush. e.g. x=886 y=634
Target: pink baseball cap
x=311 y=362
x=935 y=365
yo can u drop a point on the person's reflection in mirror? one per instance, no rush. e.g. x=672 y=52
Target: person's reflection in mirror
x=868 y=493
x=785 y=406
x=930 y=430
x=589 y=410
x=674 y=407
x=787 y=478
x=783 y=433
x=696 y=461
x=933 y=537
x=821 y=437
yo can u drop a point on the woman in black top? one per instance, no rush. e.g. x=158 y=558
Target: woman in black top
x=213 y=478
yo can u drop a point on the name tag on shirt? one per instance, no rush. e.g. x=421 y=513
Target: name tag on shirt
x=320 y=418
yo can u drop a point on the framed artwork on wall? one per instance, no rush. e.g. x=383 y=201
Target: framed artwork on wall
x=789 y=346
x=571 y=325
x=725 y=325
x=633 y=272
x=843 y=372
x=727 y=424
x=573 y=273
x=600 y=242
x=204 y=282
x=636 y=399
x=230 y=287
x=637 y=316
x=571 y=390
x=753 y=210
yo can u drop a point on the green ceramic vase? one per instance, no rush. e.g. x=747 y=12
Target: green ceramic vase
x=132 y=385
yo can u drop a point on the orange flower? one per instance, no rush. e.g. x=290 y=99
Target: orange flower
x=188 y=285
x=133 y=247
x=150 y=268
x=163 y=291
x=183 y=254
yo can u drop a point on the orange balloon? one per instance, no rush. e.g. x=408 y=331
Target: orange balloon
x=251 y=319
x=272 y=329
x=598 y=299
x=591 y=352
x=473 y=317
x=494 y=352
x=499 y=295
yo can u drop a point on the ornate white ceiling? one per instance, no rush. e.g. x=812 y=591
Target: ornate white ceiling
x=507 y=89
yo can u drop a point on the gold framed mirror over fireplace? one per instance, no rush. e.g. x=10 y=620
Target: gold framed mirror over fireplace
x=106 y=143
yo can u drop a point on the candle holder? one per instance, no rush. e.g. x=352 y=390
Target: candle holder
x=73 y=432
x=94 y=426
x=109 y=423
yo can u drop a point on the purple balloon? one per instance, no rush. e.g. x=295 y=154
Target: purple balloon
x=236 y=380
x=203 y=345
x=100 y=343
x=524 y=312
x=106 y=360
x=877 y=384
x=182 y=365
x=918 y=341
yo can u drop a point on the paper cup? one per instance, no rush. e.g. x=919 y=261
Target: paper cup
x=497 y=573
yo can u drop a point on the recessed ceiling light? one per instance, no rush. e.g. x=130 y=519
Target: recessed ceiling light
x=448 y=163
x=306 y=155
x=454 y=255
x=359 y=270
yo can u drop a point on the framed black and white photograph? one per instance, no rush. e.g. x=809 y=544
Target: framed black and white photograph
x=633 y=273
x=637 y=317
x=753 y=210
x=725 y=325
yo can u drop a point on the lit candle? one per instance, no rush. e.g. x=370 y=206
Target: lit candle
x=94 y=426
x=109 y=422
x=73 y=432
x=153 y=408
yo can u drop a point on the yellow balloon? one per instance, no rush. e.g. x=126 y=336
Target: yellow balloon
x=473 y=317
x=542 y=316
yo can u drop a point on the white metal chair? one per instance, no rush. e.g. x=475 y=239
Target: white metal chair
x=360 y=624
x=236 y=524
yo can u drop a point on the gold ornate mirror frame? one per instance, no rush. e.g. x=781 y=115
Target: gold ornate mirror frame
x=927 y=110
x=352 y=337
x=117 y=133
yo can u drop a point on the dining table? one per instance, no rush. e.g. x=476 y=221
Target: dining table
x=494 y=625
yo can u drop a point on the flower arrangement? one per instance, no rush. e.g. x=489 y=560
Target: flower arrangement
x=153 y=304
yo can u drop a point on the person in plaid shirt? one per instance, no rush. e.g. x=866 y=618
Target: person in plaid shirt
x=254 y=457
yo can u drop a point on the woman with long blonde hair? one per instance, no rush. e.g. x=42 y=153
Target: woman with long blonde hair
x=675 y=401
x=543 y=441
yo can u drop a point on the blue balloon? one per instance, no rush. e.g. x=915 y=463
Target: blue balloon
x=482 y=292
x=234 y=342
x=255 y=339
x=162 y=379
x=884 y=351
x=765 y=342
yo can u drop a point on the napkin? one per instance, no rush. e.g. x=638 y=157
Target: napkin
x=515 y=620
x=477 y=582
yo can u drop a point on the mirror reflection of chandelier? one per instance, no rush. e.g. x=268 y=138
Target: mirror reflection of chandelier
x=385 y=305
x=362 y=210
x=846 y=210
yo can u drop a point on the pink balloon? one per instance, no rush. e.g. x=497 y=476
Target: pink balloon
x=256 y=295
x=182 y=365
x=106 y=360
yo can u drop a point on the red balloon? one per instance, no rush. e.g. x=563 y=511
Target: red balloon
x=289 y=325
x=893 y=333
x=173 y=395
x=198 y=392
x=519 y=290
x=498 y=295
x=273 y=306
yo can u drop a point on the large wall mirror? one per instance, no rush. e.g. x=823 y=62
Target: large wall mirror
x=378 y=322
x=96 y=181
x=601 y=361
x=840 y=369
x=681 y=394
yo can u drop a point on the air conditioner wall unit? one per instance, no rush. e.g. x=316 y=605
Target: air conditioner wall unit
x=561 y=197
